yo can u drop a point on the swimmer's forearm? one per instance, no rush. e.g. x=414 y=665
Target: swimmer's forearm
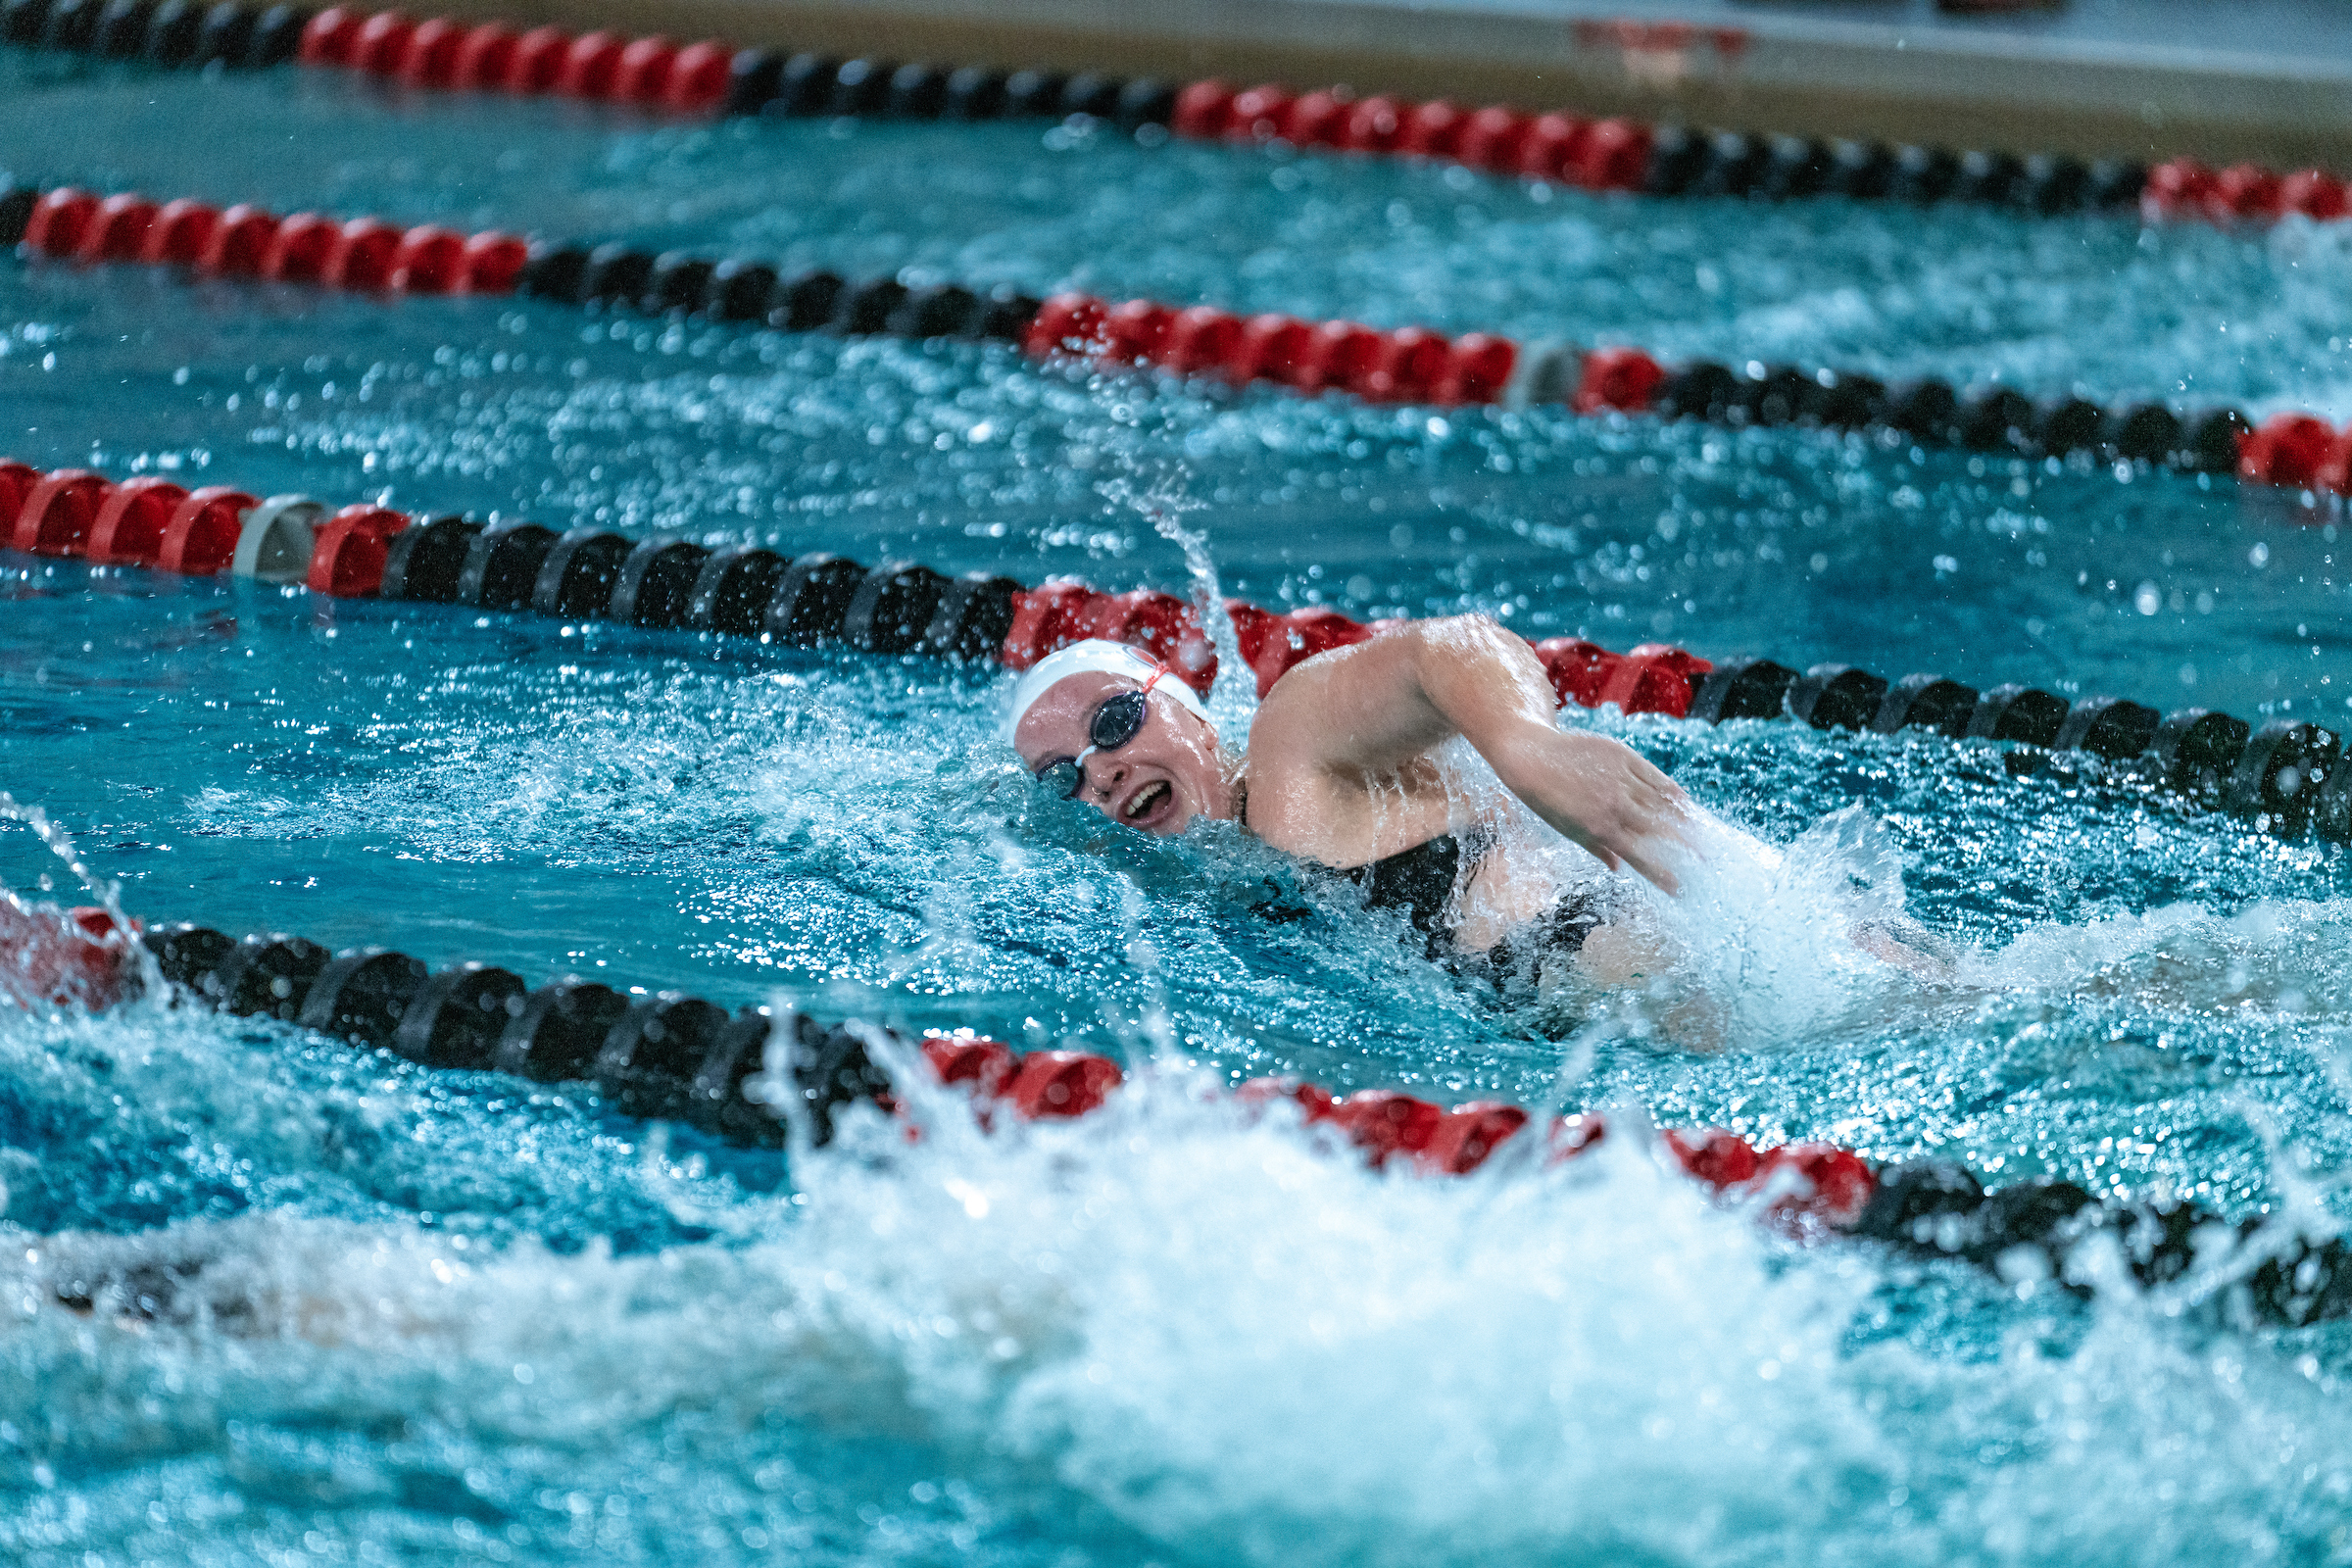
x=1486 y=684
x=1598 y=793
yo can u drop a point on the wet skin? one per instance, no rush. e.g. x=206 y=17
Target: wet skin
x=1339 y=767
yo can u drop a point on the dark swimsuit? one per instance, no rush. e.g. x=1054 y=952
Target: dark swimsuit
x=1421 y=881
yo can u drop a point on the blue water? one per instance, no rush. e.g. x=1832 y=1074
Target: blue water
x=442 y=1317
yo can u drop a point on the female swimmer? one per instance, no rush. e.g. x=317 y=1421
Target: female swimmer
x=1341 y=770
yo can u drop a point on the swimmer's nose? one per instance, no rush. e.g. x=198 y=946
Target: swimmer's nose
x=1108 y=782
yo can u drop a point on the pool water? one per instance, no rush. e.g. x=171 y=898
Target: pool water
x=442 y=1317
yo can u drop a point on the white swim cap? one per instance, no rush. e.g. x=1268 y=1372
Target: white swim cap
x=1097 y=656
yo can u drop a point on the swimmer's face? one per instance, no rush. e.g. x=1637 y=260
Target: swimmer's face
x=1171 y=772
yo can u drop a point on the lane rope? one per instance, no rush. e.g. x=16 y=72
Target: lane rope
x=738 y=1075
x=1406 y=364
x=1602 y=153
x=2286 y=777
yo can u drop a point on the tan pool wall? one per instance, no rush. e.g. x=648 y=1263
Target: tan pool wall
x=1974 y=93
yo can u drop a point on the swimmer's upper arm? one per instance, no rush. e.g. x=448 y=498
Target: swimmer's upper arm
x=1376 y=706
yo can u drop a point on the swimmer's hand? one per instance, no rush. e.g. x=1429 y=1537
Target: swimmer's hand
x=1598 y=792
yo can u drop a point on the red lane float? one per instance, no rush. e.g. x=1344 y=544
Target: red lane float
x=1067 y=323
x=381 y=44
x=432 y=57
x=1133 y=333
x=59 y=220
x=327 y=38
x=1199 y=339
x=239 y=244
x=2293 y=450
x=491 y=57
x=365 y=254
x=493 y=260
x=118 y=230
x=538 y=61
x=61 y=957
x=200 y=538
x=299 y=249
x=1653 y=678
x=16 y=480
x=1616 y=378
x=2243 y=193
x=180 y=234
x=642 y=73
x=1817 y=1183
x=128 y=530
x=1272 y=643
x=348 y=560
x=361 y=255
x=1060 y=1083
x=699 y=78
x=1063 y=611
x=590 y=65
x=486 y=56
x=1596 y=154
x=1040 y=1085
x=1271 y=348
x=427 y=261
x=1406 y=364
x=1478 y=367
x=57 y=513
x=1801 y=1184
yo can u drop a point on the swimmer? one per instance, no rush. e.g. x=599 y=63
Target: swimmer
x=1341 y=770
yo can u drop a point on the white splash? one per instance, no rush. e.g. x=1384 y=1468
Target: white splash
x=1233 y=703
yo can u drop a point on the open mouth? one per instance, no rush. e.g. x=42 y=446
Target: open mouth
x=1145 y=804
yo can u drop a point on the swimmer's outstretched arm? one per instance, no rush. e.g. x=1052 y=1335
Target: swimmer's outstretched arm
x=1360 y=712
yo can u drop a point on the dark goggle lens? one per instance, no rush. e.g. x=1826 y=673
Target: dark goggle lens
x=1118 y=721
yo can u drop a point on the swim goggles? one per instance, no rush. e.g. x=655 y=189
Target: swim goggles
x=1118 y=721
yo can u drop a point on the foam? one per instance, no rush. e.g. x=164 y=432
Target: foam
x=1186 y=1334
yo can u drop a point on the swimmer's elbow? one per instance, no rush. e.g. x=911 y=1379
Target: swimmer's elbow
x=1459 y=634
x=1470 y=664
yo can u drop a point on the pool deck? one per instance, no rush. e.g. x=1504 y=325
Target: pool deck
x=2222 y=80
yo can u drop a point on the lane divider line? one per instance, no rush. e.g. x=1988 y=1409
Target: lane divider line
x=660 y=75
x=2288 y=777
x=1404 y=365
x=673 y=1056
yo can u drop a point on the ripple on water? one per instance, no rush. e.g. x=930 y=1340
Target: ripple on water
x=448 y=1315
